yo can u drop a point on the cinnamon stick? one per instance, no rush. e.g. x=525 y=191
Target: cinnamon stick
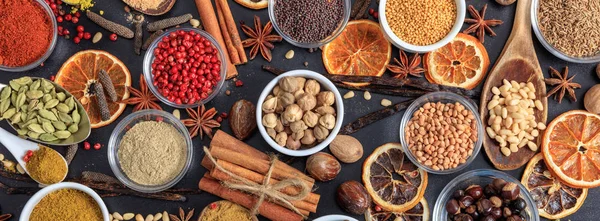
x=257 y=178
x=233 y=53
x=234 y=35
x=267 y=209
x=211 y=25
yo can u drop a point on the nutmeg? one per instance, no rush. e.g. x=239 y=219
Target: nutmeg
x=352 y=196
x=298 y=126
x=289 y=84
x=312 y=87
x=269 y=120
x=346 y=148
x=292 y=113
x=325 y=98
x=320 y=132
x=310 y=119
x=292 y=144
x=327 y=121
x=281 y=139
x=309 y=138
x=286 y=99
x=307 y=102
x=591 y=100
x=325 y=110
x=323 y=166
x=269 y=105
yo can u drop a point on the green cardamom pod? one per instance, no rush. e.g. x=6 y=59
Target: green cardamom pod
x=23 y=80
x=30 y=121
x=16 y=118
x=51 y=103
x=35 y=94
x=63 y=108
x=14 y=85
x=36 y=128
x=48 y=137
x=32 y=105
x=59 y=125
x=42 y=120
x=47 y=86
x=36 y=85
x=73 y=128
x=40 y=105
x=13 y=98
x=23 y=89
x=24 y=116
x=65 y=118
x=22 y=132
x=76 y=116
x=33 y=135
x=53 y=92
x=23 y=108
x=21 y=99
x=47 y=126
x=61 y=96
x=9 y=113
x=70 y=102
x=47 y=114
x=61 y=134
x=6 y=91
x=47 y=97
x=4 y=106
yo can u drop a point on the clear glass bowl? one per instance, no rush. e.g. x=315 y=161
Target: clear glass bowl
x=480 y=177
x=149 y=58
x=347 y=4
x=124 y=126
x=50 y=49
x=536 y=29
x=444 y=97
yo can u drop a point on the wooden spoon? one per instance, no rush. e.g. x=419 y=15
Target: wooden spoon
x=518 y=62
x=164 y=7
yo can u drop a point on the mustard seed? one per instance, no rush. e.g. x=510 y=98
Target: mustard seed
x=421 y=22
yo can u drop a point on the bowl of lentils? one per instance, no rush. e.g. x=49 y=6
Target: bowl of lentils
x=184 y=67
x=309 y=24
x=486 y=195
x=421 y=26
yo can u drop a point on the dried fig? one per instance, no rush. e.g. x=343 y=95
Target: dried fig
x=242 y=119
x=352 y=196
x=346 y=148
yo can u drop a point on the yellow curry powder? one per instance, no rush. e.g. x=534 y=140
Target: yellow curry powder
x=224 y=211
x=66 y=204
x=46 y=166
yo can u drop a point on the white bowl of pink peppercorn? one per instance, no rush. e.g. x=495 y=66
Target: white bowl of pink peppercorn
x=184 y=67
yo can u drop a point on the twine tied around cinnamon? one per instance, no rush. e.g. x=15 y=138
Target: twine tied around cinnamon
x=265 y=189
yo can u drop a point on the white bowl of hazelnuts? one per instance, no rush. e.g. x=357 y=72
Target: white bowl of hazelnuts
x=299 y=112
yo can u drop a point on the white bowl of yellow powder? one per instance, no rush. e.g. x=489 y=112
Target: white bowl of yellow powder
x=150 y=151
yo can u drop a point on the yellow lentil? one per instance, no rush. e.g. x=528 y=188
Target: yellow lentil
x=421 y=22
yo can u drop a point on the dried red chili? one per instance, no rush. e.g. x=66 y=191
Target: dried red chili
x=26 y=32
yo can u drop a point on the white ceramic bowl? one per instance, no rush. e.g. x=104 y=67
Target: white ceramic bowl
x=335 y=218
x=37 y=197
x=326 y=84
x=389 y=34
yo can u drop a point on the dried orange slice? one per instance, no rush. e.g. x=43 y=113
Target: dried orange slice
x=571 y=148
x=418 y=213
x=253 y=4
x=392 y=180
x=361 y=49
x=80 y=72
x=554 y=199
x=462 y=63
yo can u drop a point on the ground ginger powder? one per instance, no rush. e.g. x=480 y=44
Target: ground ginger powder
x=46 y=166
x=66 y=204
x=224 y=211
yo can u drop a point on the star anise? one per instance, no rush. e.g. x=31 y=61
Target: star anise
x=144 y=99
x=182 y=216
x=562 y=84
x=5 y=217
x=404 y=68
x=201 y=121
x=479 y=24
x=260 y=39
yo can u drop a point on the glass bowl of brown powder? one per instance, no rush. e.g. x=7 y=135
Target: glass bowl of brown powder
x=150 y=151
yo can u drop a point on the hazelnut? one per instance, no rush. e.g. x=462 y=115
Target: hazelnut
x=327 y=121
x=307 y=102
x=591 y=100
x=281 y=139
x=298 y=94
x=277 y=90
x=269 y=105
x=292 y=144
x=325 y=98
x=484 y=206
x=292 y=113
x=463 y=217
x=498 y=184
x=287 y=130
x=298 y=135
x=346 y=148
x=279 y=108
x=279 y=126
x=325 y=110
x=272 y=133
x=312 y=87
x=298 y=126
x=289 y=84
x=496 y=201
x=466 y=201
x=496 y=213
x=321 y=132
x=309 y=137
x=452 y=207
x=286 y=99
x=323 y=166
x=474 y=191
x=511 y=191
x=284 y=122
x=301 y=82
x=310 y=119
x=352 y=196
x=270 y=120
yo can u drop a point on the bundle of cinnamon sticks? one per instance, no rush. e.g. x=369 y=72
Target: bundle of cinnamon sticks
x=245 y=161
x=224 y=30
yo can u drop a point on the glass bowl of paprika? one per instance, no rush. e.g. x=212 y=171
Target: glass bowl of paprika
x=31 y=40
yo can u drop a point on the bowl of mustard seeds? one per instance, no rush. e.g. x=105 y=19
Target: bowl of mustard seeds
x=421 y=26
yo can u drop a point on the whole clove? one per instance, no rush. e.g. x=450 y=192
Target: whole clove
x=169 y=22
x=373 y=117
x=102 y=102
x=137 y=40
x=107 y=85
x=151 y=39
x=110 y=26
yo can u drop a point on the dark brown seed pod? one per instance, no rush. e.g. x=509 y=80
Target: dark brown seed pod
x=242 y=119
x=110 y=26
x=107 y=85
x=102 y=103
x=169 y=22
x=352 y=196
x=137 y=41
x=151 y=39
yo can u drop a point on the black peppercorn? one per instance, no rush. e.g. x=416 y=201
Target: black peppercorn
x=519 y=204
x=510 y=191
x=452 y=207
x=466 y=201
x=484 y=206
x=458 y=194
x=463 y=217
x=490 y=190
x=474 y=191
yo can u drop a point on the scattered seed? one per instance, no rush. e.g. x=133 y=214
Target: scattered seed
x=128 y=216
x=110 y=217
x=1 y=157
x=117 y=216
x=139 y=217
x=177 y=114
x=157 y=216
x=349 y=95
x=165 y=216
x=306 y=64
x=97 y=37
x=289 y=55
x=20 y=169
x=227 y=92
x=150 y=217
x=127 y=9
x=386 y=102
x=195 y=23
x=505 y=151
x=367 y=95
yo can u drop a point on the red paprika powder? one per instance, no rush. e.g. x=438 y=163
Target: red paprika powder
x=25 y=32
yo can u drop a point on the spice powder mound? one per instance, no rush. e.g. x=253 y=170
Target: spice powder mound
x=26 y=32
x=421 y=22
x=152 y=153
x=225 y=210
x=46 y=166
x=144 y=4
x=66 y=204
